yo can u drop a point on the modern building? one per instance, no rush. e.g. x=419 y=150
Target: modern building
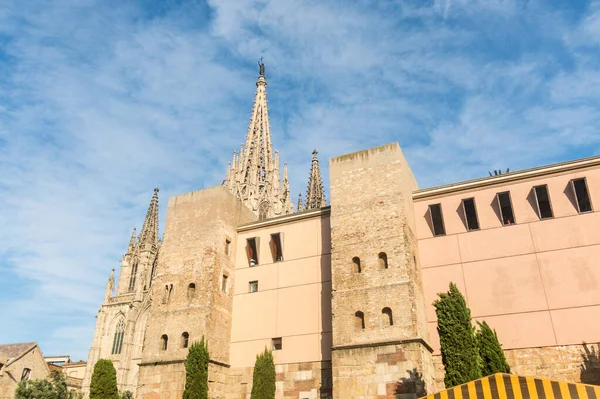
x=342 y=293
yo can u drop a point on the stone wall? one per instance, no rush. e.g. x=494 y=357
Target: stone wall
x=310 y=380
x=377 y=301
x=572 y=363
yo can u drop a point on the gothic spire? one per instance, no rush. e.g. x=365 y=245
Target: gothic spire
x=299 y=208
x=315 y=196
x=131 y=241
x=149 y=233
x=254 y=173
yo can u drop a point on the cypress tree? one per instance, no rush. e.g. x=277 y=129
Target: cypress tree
x=263 y=378
x=460 y=354
x=490 y=351
x=196 y=371
x=104 y=381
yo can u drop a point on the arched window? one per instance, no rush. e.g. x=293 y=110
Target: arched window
x=191 y=291
x=118 y=337
x=185 y=339
x=26 y=374
x=164 y=342
x=386 y=317
x=153 y=270
x=383 y=264
x=133 y=275
x=356 y=265
x=359 y=320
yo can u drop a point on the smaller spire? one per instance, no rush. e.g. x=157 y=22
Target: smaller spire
x=131 y=241
x=315 y=196
x=300 y=206
x=110 y=285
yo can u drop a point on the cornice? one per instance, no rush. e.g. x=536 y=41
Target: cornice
x=294 y=217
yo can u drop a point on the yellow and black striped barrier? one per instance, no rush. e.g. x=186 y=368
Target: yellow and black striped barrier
x=508 y=386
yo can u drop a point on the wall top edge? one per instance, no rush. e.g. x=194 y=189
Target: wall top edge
x=510 y=177
x=313 y=213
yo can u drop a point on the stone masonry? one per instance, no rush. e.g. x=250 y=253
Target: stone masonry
x=379 y=323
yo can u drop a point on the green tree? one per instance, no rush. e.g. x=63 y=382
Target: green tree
x=490 y=351
x=460 y=354
x=55 y=388
x=104 y=381
x=263 y=378
x=196 y=371
x=126 y=395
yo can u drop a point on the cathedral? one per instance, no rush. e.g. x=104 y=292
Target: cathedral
x=342 y=292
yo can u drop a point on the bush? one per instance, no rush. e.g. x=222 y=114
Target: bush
x=490 y=351
x=104 y=381
x=263 y=378
x=44 y=389
x=196 y=371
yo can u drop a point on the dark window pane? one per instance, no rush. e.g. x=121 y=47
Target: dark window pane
x=471 y=214
x=582 y=195
x=437 y=220
x=543 y=201
x=506 y=210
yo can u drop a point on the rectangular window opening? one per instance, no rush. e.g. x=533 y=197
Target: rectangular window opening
x=276 y=248
x=506 y=209
x=277 y=344
x=227 y=247
x=542 y=199
x=224 y=283
x=582 y=195
x=437 y=219
x=470 y=214
x=253 y=286
x=251 y=249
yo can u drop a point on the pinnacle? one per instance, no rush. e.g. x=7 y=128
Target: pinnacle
x=149 y=233
x=315 y=196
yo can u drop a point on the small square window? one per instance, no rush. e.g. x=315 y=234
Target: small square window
x=277 y=344
x=506 y=209
x=437 y=219
x=582 y=195
x=224 y=283
x=253 y=286
x=542 y=199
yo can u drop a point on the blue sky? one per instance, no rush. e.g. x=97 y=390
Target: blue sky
x=102 y=100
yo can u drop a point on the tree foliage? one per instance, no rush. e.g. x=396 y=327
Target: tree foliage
x=263 y=378
x=196 y=371
x=55 y=388
x=490 y=351
x=460 y=354
x=104 y=381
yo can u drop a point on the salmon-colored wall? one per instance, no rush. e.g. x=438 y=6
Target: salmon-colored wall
x=293 y=300
x=537 y=282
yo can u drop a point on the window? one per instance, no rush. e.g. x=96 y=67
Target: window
x=276 y=248
x=224 y=283
x=118 y=338
x=133 y=275
x=582 y=195
x=542 y=199
x=470 y=212
x=386 y=317
x=153 y=270
x=251 y=250
x=25 y=374
x=227 y=247
x=506 y=209
x=185 y=339
x=437 y=220
x=356 y=265
x=277 y=344
x=382 y=258
x=191 y=293
x=359 y=320
x=253 y=286
x=164 y=342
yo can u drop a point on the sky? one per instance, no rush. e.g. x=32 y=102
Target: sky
x=103 y=100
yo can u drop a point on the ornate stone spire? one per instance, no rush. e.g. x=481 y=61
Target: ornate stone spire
x=131 y=242
x=300 y=206
x=149 y=233
x=254 y=173
x=110 y=285
x=315 y=196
